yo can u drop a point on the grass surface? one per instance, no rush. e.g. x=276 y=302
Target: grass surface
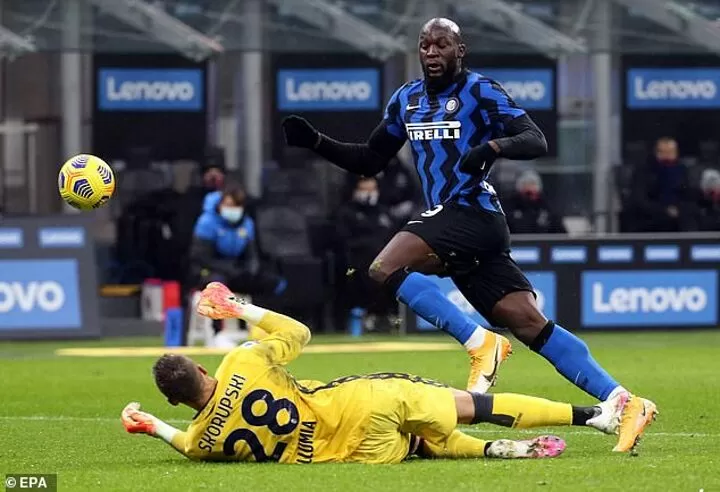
x=60 y=415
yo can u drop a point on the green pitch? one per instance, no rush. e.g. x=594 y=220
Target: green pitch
x=60 y=415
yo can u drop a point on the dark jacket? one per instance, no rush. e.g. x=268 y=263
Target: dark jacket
x=363 y=229
x=656 y=187
x=525 y=216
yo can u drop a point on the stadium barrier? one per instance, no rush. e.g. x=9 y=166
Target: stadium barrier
x=638 y=281
x=48 y=278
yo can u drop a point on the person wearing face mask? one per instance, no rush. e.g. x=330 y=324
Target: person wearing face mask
x=527 y=209
x=709 y=201
x=662 y=192
x=224 y=247
x=363 y=227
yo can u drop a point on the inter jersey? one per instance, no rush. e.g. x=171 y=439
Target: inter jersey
x=442 y=126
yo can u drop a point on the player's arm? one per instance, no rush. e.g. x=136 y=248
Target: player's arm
x=522 y=139
x=514 y=134
x=136 y=421
x=286 y=336
x=366 y=159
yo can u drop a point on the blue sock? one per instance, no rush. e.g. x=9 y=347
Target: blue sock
x=427 y=300
x=571 y=357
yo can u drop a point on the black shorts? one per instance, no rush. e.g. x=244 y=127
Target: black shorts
x=474 y=245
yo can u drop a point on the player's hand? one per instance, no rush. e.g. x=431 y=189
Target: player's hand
x=300 y=133
x=137 y=422
x=477 y=161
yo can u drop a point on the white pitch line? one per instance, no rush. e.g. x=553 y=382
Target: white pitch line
x=468 y=430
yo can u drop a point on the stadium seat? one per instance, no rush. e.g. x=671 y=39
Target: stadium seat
x=285 y=235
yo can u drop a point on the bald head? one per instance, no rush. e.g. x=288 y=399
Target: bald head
x=444 y=24
x=441 y=51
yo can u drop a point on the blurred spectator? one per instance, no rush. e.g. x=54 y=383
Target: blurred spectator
x=364 y=226
x=224 y=247
x=709 y=202
x=190 y=204
x=527 y=209
x=662 y=196
x=399 y=192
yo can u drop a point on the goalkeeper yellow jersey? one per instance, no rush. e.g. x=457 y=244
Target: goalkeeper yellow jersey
x=259 y=412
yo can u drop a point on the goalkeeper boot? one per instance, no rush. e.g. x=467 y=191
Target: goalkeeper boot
x=540 y=447
x=637 y=415
x=485 y=361
x=219 y=302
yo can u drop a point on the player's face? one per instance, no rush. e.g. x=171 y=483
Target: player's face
x=440 y=54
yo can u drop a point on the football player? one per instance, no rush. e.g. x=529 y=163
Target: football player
x=458 y=122
x=253 y=409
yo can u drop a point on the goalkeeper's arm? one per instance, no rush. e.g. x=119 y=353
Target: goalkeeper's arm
x=286 y=336
x=138 y=422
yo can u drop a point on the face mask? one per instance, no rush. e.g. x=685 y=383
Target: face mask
x=232 y=214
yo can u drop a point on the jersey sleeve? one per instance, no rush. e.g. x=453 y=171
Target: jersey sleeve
x=392 y=120
x=284 y=342
x=500 y=107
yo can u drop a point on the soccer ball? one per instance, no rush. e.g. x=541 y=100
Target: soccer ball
x=86 y=182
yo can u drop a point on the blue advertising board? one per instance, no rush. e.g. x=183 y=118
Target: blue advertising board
x=543 y=282
x=673 y=88
x=531 y=88
x=143 y=89
x=39 y=293
x=328 y=89
x=649 y=298
x=48 y=278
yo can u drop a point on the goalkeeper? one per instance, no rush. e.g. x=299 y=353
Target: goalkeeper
x=254 y=410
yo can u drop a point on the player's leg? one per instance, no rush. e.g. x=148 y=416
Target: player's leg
x=430 y=411
x=499 y=290
x=615 y=416
x=423 y=248
x=401 y=267
x=569 y=354
x=462 y=446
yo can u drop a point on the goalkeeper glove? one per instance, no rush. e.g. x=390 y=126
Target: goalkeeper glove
x=478 y=160
x=300 y=133
x=137 y=422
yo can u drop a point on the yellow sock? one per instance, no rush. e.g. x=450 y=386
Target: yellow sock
x=458 y=445
x=524 y=412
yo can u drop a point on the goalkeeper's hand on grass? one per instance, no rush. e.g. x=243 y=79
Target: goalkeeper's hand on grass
x=137 y=422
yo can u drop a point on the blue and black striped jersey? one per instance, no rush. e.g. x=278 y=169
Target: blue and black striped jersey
x=442 y=126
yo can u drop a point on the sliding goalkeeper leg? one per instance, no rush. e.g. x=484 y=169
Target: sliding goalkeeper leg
x=462 y=446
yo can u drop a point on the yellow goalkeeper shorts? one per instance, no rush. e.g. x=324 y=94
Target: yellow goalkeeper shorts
x=401 y=408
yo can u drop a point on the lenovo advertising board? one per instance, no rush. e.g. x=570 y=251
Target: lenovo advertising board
x=340 y=94
x=48 y=282
x=676 y=96
x=153 y=102
x=649 y=298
